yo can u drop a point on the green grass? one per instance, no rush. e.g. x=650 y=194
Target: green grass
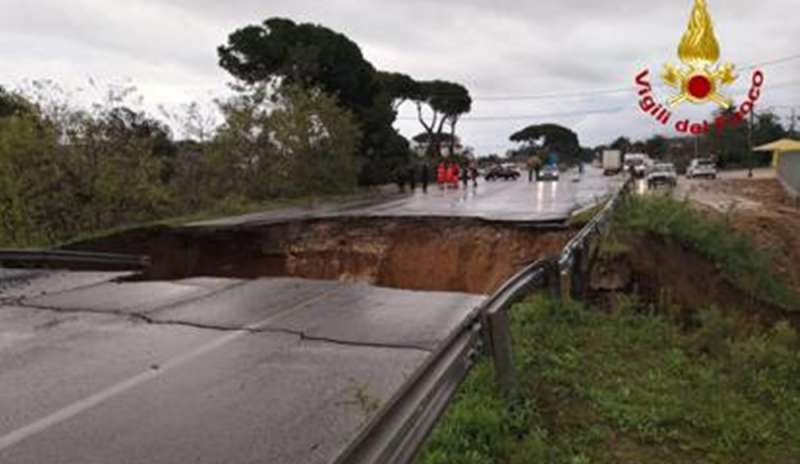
x=734 y=253
x=585 y=216
x=629 y=387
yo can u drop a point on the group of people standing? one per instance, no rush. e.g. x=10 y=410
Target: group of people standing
x=448 y=175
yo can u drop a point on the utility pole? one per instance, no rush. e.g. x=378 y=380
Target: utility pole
x=750 y=144
x=794 y=120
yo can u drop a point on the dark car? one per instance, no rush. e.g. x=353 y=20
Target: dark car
x=501 y=172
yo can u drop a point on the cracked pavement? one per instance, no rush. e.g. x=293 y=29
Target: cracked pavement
x=95 y=369
x=206 y=370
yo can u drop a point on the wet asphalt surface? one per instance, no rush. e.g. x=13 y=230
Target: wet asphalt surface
x=499 y=201
x=211 y=370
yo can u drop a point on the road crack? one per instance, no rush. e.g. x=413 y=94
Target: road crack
x=302 y=336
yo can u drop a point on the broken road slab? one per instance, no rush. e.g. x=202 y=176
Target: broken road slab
x=125 y=297
x=315 y=362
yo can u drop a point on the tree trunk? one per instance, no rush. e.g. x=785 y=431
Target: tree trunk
x=453 y=122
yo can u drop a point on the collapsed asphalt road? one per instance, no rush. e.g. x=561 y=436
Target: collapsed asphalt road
x=206 y=370
x=101 y=367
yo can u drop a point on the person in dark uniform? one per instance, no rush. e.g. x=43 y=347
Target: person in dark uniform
x=530 y=169
x=465 y=175
x=412 y=177
x=425 y=174
x=473 y=172
x=400 y=179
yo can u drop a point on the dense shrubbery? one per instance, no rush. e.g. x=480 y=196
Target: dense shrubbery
x=65 y=171
x=630 y=387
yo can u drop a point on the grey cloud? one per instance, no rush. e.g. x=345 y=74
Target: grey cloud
x=494 y=47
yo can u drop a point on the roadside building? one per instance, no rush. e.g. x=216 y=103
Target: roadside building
x=786 y=160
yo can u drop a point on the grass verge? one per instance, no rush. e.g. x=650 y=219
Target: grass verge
x=629 y=387
x=733 y=252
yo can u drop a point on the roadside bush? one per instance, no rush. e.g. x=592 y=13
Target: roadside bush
x=29 y=182
x=291 y=143
x=67 y=171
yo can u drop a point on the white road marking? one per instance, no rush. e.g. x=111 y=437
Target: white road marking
x=27 y=431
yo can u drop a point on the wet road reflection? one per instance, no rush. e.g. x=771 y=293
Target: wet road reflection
x=539 y=197
x=516 y=201
x=641 y=186
x=504 y=200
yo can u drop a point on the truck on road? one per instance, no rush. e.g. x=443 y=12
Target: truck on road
x=612 y=162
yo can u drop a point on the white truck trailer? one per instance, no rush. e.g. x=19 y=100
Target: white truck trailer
x=612 y=162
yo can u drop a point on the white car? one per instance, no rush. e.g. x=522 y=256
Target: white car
x=549 y=172
x=702 y=168
x=662 y=174
x=637 y=164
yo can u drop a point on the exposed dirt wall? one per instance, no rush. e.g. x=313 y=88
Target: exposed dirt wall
x=433 y=254
x=671 y=277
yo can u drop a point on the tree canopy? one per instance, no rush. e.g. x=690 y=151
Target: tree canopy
x=731 y=143
x=424 y=137
x=11 y=104
x=622 y=144
x=656 y=146
x=304 y=54
x=728 y=144
x=279 y=51
x=398 y=87
x=447 y=102
x=551 y=137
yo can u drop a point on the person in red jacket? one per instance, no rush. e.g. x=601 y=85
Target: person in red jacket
x=441 y=174
x=452 y=176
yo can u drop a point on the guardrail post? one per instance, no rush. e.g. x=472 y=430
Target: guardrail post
x=499 y=331
x=579 y=274
x=553 y=280
x=565 y=276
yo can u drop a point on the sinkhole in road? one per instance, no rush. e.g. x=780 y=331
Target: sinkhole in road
x=414 y=254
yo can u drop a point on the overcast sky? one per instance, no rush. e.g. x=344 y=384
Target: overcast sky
x=497 y=48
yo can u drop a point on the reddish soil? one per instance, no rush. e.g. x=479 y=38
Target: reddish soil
x=774 y=223
x=656 y=274
x=411 y=254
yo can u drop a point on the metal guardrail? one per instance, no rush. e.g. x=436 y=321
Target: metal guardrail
x=66 y=257
x=400 y=428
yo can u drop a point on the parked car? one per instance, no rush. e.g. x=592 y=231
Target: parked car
x=701 y=167
x=549 y=172
x=501 y=172
x=662 y=174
